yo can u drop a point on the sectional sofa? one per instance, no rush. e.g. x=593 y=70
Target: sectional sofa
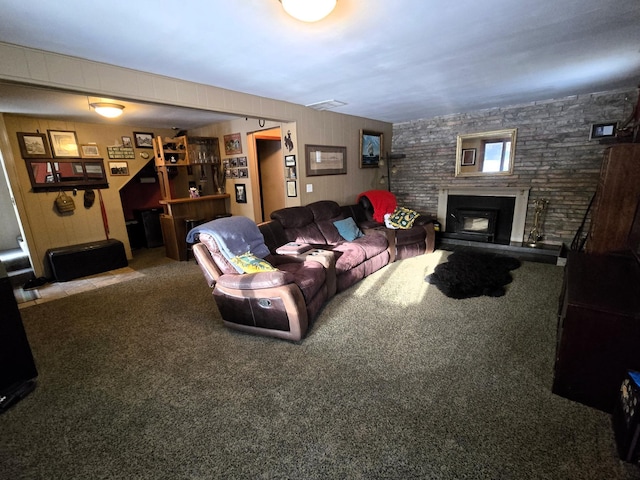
x=343 y=246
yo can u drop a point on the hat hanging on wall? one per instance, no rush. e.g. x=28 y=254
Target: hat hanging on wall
x=89 y=198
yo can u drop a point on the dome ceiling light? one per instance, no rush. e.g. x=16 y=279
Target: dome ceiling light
x=308 y=10
x=109 y=110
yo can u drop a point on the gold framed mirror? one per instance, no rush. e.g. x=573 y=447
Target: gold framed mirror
x=486 y=153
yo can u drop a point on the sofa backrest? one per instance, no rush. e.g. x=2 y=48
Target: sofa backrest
x=312 y=223
x=367 y=208
x=299 y=225
x=224 y=265
x=273 y=234
x=354 y=211
x=325 y=212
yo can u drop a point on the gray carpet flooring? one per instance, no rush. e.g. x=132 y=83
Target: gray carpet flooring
x=140 y=380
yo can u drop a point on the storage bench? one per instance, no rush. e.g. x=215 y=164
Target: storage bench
x=85 y=259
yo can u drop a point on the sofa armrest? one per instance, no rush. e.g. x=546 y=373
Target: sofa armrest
x=422 y=220
x=207 y=265
x=370 y=224
x=430 y=239
x=253 y=281
x=390 y=235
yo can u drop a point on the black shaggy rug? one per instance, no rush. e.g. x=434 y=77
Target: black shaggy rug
x=469 y=274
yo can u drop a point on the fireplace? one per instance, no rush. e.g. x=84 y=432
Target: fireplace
x=473 y=224
x=494 y=215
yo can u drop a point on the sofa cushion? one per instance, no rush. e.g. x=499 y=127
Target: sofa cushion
x=348 y=255
x=348 y=229
x=372 y=244
x=298 y=225
x=325 y=213
x=309 y=276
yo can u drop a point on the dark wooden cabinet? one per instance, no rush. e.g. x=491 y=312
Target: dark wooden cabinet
x=616 y=199
x=17 y=368
x=598 y=336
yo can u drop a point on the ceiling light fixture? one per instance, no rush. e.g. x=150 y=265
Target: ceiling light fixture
x=308 y=10
x=326 y=104
x=109 y=110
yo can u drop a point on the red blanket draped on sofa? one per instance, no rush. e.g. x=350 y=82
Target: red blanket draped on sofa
x=383 y=202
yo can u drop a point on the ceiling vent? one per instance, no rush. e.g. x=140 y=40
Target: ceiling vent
x=326 y=104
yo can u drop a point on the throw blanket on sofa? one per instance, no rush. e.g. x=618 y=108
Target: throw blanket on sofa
x=383 y=202
x=234 y=236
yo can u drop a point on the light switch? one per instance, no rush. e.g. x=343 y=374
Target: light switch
x=309 y=187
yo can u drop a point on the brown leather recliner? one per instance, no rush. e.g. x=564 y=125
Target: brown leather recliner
x=280 y=303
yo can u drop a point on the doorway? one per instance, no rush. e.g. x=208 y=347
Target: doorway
x=14 y=252
x=269 y=181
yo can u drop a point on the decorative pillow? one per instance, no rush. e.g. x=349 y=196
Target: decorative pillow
x=403 y=217
x=387 y=222
x=249 y=263
x=348 y=229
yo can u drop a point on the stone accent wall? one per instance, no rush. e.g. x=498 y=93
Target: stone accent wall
x=554 y=156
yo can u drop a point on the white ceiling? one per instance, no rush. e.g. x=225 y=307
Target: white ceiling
x=388 y=60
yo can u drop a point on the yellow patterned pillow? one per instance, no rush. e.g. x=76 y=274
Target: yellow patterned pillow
x=403 y=217
x=249 y=263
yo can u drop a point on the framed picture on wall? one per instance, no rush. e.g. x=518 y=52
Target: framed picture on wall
x=143 y=139
x=33 y=145
x=119 y=168
x=468 y=157
x=291 y=188
x=325 y=160
x=370 y=149
x=603 y=130
x=90 y=151
x=64 y=144
x=232 y=144
x=289 y=160
x=241 y=193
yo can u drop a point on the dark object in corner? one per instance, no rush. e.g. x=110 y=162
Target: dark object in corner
x=35 y=283
x=15 y=394
x=468 y=274
x=17 y=368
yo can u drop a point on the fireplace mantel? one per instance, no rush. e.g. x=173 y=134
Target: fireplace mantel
x=519 y=215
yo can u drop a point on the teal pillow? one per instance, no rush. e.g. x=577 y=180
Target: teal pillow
x=348 y=229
